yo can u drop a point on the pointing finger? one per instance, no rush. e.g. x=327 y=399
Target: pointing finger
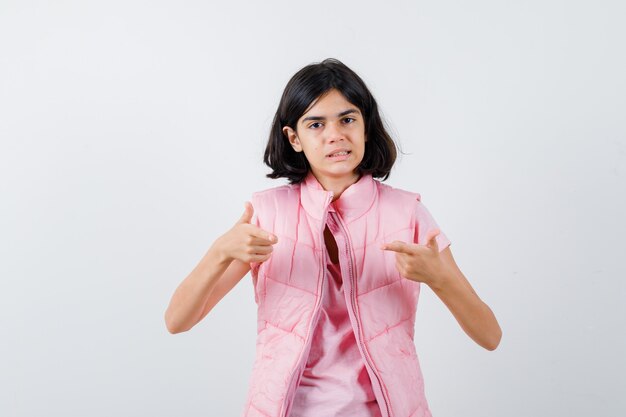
x=262 y=234
x=396 y=246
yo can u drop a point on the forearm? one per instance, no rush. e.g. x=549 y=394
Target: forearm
x=474 y=316
x=187 y=303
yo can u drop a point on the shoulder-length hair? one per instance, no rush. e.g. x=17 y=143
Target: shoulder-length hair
x=306 y=86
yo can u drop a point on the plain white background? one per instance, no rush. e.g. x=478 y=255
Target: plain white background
x=132 y=132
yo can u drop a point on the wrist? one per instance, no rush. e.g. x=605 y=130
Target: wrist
x=217 y=253
x=440 y=280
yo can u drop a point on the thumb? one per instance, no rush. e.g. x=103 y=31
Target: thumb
x=246 y=217
x=431 y=239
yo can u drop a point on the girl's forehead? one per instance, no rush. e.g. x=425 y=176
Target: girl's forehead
x=333 y=101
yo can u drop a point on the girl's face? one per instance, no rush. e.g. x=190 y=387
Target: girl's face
x=331 y=125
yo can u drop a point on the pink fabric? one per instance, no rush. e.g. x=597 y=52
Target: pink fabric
x=288 y=290
x=335 y=381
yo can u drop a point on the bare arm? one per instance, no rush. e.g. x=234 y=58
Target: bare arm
x=438 y=269
x=202 y=289
x=231 y=277
x=221 y=268
x=474 y=316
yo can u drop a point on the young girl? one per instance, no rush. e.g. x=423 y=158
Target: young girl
x=337 y=259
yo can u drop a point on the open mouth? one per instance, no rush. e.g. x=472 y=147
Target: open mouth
x=339 y=154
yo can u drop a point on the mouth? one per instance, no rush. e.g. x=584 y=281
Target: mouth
x=339 y=154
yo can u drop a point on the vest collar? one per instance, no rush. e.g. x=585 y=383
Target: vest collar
x=355 y=201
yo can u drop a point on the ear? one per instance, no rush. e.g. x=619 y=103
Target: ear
x=292 y=136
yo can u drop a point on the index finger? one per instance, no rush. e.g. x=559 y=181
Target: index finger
x=396 y=246
x=262 y=234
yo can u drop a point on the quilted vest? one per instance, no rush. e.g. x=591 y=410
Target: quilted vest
x=381 y=303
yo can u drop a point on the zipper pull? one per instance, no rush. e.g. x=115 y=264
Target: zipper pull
x=330 y=197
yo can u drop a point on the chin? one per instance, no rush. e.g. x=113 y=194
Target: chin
x=341 y=173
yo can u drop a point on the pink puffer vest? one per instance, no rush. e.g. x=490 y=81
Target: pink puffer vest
x=381 y=303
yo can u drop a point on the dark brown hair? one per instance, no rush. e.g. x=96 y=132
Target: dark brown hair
x=306 y=86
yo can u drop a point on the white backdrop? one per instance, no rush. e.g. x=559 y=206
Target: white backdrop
x=132 y=132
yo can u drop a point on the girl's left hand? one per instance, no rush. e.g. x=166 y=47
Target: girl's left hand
x=420 y=263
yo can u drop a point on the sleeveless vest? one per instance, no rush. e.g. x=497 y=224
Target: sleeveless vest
x=381 y=303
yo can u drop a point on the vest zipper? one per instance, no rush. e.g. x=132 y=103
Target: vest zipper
x=354 y=308
x=317 y=309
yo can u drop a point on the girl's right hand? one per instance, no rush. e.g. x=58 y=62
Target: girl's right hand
x=245 y=241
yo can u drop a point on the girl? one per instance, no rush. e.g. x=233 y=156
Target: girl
x=337 y=259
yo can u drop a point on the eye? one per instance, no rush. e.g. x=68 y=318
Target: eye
x=314 y=125
x=351 y=120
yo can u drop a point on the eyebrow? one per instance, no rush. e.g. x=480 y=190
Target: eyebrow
x=343 y=113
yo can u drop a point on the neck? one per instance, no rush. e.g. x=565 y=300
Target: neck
x=337 y=185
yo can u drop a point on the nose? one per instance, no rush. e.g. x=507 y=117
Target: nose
x=334 y=132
